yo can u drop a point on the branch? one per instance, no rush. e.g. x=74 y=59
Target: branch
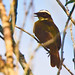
x=66 y=11
x=19 y=55
x=2 y=65
x=67 y=69
x=64 y=34
x=22 y=60
x=1 y=37
x=67 y=6
x=13 y=10
x=32 y=37
x=31 y=58
x=7 y=34
x=25 y=17
x=24 y=21
x=8 y=40
x=73 y=43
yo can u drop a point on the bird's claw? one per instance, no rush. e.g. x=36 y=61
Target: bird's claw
x=48 y=53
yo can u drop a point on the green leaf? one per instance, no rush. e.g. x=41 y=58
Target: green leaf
x=71 y=1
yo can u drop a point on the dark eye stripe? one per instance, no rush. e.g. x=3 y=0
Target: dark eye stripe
x=44 y=14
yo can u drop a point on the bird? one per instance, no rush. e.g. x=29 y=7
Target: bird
x=45 y=29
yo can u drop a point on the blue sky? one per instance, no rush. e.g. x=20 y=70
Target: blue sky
x=40 y=64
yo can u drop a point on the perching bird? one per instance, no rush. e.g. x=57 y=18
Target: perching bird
x=45 y=29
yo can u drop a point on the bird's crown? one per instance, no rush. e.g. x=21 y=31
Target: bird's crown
x=44 y=11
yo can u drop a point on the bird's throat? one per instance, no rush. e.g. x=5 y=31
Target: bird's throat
x=41 y=18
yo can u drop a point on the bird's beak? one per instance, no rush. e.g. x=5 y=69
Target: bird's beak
x=36 y=15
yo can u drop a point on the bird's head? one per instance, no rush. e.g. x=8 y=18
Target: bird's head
x=43 y=15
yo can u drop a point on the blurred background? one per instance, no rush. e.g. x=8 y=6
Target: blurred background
x=40 y=65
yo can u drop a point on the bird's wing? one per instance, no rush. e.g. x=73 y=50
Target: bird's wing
x=46 y=30
x=53 y=31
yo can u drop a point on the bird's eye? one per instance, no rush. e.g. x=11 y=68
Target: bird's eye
x=43 y=13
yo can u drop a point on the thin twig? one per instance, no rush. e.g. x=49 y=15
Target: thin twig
x=64 y=34
x=26 y=32
x=25 y=18
x=74 y=54
x=66 y=11
x=72 y=34
x=73 y=43
x=1 y=37
x=31 y=58
x=13 y=17
x=18 y=42
x=22 y=59
x=32 y=37
x=67 y=69
x=13 y=8
x=67 y=6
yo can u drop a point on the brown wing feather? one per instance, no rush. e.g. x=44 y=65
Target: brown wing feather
x=45 y=31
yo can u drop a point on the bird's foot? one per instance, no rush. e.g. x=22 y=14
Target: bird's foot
x=48 y=52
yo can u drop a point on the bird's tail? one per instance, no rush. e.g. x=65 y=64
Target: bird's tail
x=55 y=59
